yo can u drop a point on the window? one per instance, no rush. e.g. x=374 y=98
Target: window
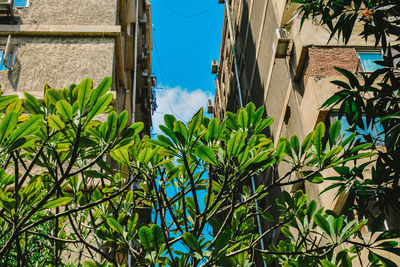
x=10 y=60
x=367 y=60
x=379 y=218
x=375 y=130
x=20 y=3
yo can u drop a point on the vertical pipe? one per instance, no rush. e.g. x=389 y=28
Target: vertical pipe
x=253 y=184
x=129 y=258
x=135 y=62
x=228 y=12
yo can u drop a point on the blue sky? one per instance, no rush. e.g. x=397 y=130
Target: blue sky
x=186 y=37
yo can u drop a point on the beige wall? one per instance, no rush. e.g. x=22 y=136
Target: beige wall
x=58 y=61
x=78 y=12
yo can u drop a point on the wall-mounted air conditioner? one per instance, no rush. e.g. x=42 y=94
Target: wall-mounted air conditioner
x=210 y=107
x=214 y=66
x=283 y=42
x=143 y=19
x=145 y=73
x=6 y=5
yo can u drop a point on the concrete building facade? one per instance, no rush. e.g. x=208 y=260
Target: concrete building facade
x=61 y=42
x=287 y=71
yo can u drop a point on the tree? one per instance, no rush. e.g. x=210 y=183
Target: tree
x=375 y=96
x=89 y=182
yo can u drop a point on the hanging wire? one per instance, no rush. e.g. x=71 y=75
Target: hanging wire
x=191 y=15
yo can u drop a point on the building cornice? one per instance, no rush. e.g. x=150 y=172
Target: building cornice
x=61 y=30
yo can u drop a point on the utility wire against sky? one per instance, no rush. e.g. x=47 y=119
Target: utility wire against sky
x=166 y=80
x=191 y=15
x=162 y=87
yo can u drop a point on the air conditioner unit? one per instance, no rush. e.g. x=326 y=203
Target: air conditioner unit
x=283 y=42
x=210 y=107
x=143 y=19
x=6 y=5
x=145 y=73
x=142 y=56
x=214 y=66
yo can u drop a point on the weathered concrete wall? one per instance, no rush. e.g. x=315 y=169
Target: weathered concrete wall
x=58 y=62
x=78 y=12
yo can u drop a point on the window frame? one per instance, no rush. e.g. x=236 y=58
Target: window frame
x=12 y=57
x=367 y=51
x=333 y=116
x=27 y=2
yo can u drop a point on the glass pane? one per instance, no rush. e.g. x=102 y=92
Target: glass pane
x=20 y=3
x=2 y=67
x=375 y=130
x=367 y=61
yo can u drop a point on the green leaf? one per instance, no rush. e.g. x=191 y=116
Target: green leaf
x=53 y=96
x=334 y=131
x=8 y=123
x=132 y=223
x=145 y=237
x=90 y=264
x=222 y=240
x=319 y=134
x=322 y=223
x=112 y=126
x=115 y=225
x=26 y=128
x=337 y=225
x=213 y=129
x=58 y=202
x=280 y=151
x=312 y=206
x=326 y=263
x=391 y=234
x=195 y=123
x=315 y=178
x=158 y=236
x=234 y=144
x=6 y=100
x=100 y=106
x=101 y=89
x=295 y=144
x=64 y=109
x=122 y=120
x=32 y=104
x=286 y=232
x=192 y=242
x=307 y=142
x=242 y=118
x=121 y=155
x=180 y=131
x=84 y=93
x=55 y=122
x=207 y=154
x=169 y=121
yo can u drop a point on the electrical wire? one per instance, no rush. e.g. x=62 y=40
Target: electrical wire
x=192 y=15
x=166 y=76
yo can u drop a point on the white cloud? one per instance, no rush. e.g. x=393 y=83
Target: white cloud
x=181 y=103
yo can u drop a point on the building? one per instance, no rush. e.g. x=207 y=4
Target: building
x=265 y=57
x=62 y=42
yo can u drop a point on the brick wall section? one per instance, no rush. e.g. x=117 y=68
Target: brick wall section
x=321 y=60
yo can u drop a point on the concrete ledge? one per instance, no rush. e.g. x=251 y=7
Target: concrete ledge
x=38 y=94
x=60 y=30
